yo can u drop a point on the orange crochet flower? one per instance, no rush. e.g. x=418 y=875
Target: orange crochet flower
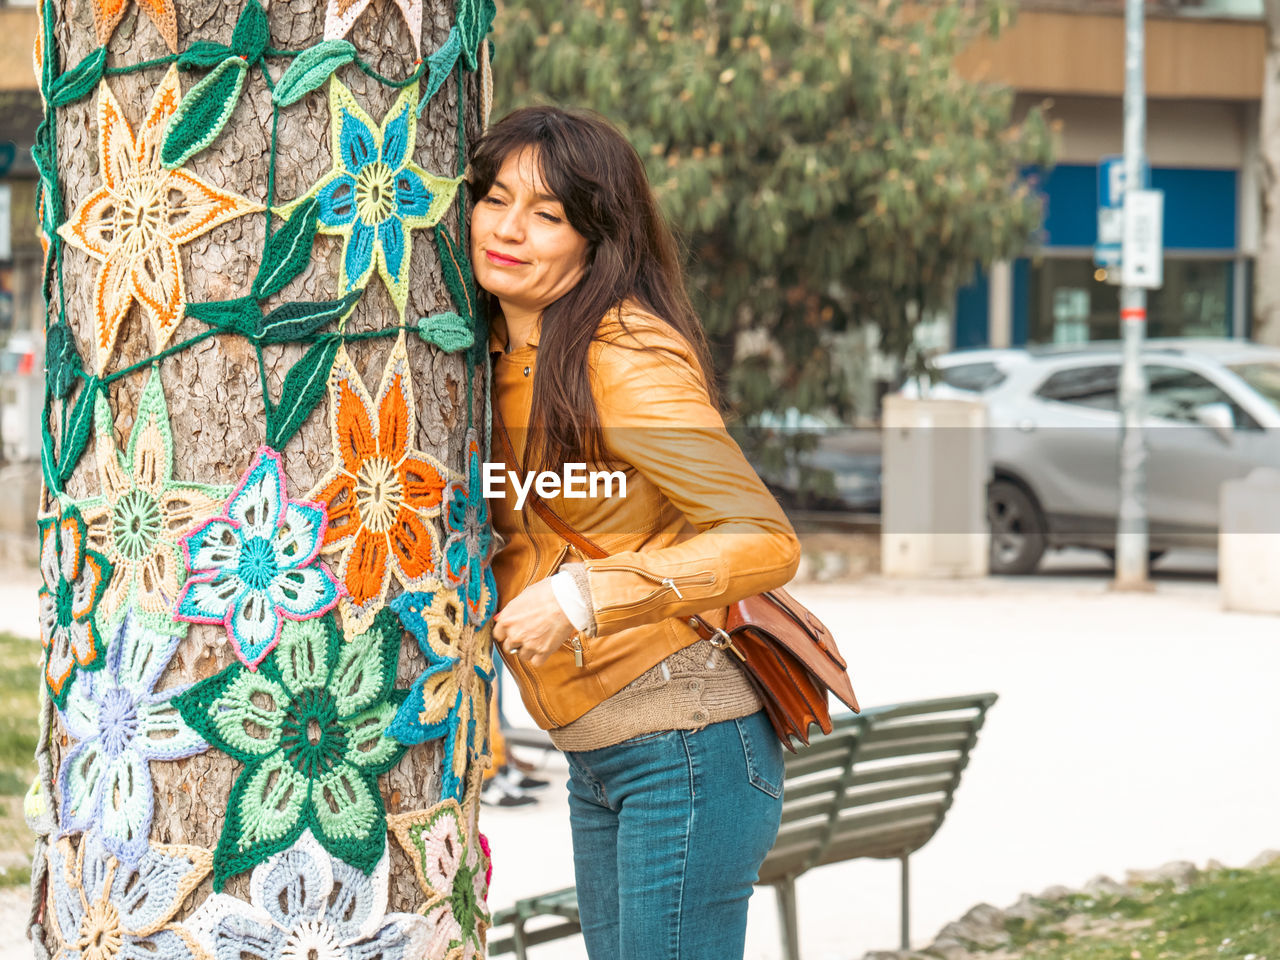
x=107 y=15
x=380 y=491
x=135 y=222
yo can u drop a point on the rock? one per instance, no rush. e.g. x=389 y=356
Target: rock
x=1212 y=865
x=1026 y=909
x=1104 y=886
x=1179 y=872
x=948 y=949
x=982 y=926
x=1056 y=892
x=1264 y=859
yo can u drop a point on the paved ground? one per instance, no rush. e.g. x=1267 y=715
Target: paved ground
x=1131 y=730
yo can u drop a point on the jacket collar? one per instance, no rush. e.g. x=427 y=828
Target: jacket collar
x=498 y=336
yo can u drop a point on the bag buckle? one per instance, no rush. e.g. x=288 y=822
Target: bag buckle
x=722 y=641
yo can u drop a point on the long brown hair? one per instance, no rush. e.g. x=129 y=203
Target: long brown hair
x=600 y=181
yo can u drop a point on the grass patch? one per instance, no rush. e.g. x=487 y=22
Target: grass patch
x=1224 y=915
x=20 y=681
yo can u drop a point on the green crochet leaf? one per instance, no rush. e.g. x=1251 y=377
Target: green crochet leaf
x=203 y=112
x=440 y=65
x=240 y=316
x=448 y=331
x=298 y=320
x=474 y=17
x=203 y=54
x=252 y=34
x=310 y=728
x=310 y=69
x=304 y=386
x=80 y=80
x=287 y=250
x=77 y=435
x=61 y=359
x=458 y=278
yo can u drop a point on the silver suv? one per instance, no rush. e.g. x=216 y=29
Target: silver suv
x=1213 y=414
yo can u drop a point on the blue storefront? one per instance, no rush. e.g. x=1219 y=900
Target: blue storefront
x=1058 y=295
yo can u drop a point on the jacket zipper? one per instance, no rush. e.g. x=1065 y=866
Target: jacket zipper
x=665 y=584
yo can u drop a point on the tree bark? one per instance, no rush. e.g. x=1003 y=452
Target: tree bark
x=1266 y=321
x=213 y=390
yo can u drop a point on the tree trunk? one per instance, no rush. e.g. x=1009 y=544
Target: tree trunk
x=1266 y=321
x=213 y=387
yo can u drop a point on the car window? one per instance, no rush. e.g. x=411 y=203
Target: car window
x=1096 y=386
x=974 y=377
x=1174 y=393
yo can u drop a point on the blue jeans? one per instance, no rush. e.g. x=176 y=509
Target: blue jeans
x=669 y=831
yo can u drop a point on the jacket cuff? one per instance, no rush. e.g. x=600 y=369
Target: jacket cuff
x=574 y=596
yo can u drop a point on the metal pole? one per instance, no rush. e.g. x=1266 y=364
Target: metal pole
x=1131 y=529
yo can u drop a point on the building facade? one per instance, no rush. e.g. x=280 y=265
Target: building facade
x=1204 y=75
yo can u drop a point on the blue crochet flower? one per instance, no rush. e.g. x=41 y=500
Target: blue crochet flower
x=255 y=564
x=466 y=549
x=451 y=697
x=374 y=194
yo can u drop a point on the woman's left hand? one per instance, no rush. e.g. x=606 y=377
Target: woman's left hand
x=533 y=625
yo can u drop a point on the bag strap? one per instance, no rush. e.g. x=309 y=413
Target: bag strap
x=585 y=545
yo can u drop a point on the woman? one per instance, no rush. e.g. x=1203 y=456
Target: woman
x=675 y=773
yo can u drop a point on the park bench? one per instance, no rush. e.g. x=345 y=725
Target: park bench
x=877 y=786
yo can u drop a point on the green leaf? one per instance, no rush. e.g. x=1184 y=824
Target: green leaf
x=293 y=321
x=310 y=69
x=474 y=18
x=79 y=80
x=304 y=387
x=78 y=425
x=252 y=34
x=287 y=250
x=457 y=274
x=240 y=316
x=440 y=65
x=203 y=54
x=448 y=331
x=203 y=112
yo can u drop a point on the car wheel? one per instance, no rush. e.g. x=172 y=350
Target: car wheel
x=1017 y=529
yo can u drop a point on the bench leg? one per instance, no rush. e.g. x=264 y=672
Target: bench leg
x=517 y=937
x=786 y=891
x=906 y=908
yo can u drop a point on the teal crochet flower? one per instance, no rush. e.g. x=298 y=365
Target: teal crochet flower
x=310 y=728
x=466 y=551
x=374 y=194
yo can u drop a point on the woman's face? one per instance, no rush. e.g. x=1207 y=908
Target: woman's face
x=523 y=249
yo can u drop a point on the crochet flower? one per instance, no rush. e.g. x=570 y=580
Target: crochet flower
x=105 y=910
x=341 y=15
x=309 y=727
x=305 y=905
x=254 y=565
x=447 y=856
x=135 y=222
x=379 y=490
x=107 y=15
x=466 y=550
x=122 y=724
x=143 y=510
x=74 y=580
x=449 y=700
x=375 y=195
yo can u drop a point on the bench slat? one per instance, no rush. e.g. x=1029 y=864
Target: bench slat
x=805 y=802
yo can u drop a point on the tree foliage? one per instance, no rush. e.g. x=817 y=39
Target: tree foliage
x=821 y=159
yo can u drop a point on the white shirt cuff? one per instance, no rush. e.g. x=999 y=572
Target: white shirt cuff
x=570 y=599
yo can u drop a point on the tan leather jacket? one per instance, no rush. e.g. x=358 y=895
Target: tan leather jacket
x=696 y=531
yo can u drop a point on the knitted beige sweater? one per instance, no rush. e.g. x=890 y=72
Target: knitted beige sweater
x=692 y=688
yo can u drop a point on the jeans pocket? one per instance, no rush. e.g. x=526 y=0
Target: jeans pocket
x=646 y=737
x=763 y=753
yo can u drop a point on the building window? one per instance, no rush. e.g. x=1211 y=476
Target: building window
x=1072 y=302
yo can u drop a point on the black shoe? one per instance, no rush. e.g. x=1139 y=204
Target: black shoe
x=498 y=792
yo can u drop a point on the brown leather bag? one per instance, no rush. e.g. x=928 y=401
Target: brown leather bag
x=786 y=652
